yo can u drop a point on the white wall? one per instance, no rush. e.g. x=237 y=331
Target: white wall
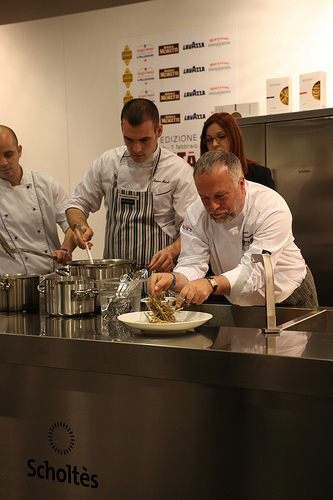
x=58 y=85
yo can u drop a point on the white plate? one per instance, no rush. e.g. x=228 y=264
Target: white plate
x=185 y=320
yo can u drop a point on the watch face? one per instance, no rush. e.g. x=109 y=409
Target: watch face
x=213 y=282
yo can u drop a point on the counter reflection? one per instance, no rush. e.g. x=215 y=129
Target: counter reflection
x=288 y=343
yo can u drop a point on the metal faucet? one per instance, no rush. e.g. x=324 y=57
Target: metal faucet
x=271 y=332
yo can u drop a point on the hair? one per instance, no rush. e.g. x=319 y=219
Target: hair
x=137 y=111
x=230 y=127
x=14 y=136
x=208 y=161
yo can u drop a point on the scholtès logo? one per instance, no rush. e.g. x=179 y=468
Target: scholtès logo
x=62 y=441
x=61 y=438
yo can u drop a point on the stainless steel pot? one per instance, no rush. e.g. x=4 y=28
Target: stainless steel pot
x=19 y=292
x=101 y=268
x=68 y=295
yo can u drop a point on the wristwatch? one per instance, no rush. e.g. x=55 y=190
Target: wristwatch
x=213 y=282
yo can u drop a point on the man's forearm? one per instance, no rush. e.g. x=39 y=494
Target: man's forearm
x=175 y=248
x=76 y=216
x=69 y=242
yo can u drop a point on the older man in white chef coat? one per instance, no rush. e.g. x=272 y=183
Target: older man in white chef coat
x=233 y=220
x=31 y=206
x=146 y=190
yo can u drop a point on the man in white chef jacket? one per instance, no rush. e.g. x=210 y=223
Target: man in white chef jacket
x=31 y=205
x=146 y=190
x=235 y=219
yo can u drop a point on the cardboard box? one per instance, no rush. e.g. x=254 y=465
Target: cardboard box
x=239 y=110
x=312 y=90
x=279 y=95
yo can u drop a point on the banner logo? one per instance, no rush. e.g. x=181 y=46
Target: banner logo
x=147 y=94
x=220 y=90
x=171 y=48
x=173 y=95
x=219 y=41
x=194 y=93
x=170 y=119
x=169 y=73
x=193 y=45
x=127 y=78
x=128 y=97
x=194 y=69
x=126 y=55
x=144 y=51
x=195 y=116
x=219 y=66
x=145 y=75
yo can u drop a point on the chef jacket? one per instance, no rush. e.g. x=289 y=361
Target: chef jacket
x=173 y=186
x=29 y=214
x=265 y=223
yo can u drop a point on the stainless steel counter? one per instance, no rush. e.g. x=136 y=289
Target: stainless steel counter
x=95 y=410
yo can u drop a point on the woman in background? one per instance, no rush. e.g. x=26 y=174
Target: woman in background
x=221 y=133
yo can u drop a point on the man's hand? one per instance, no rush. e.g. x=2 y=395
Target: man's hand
x=196 y=291
x=62 y=257
x=162 y=261
x=76 y=216
x=158 y=283
x=82 y=241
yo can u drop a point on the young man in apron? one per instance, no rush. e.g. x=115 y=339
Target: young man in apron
x=146 y=190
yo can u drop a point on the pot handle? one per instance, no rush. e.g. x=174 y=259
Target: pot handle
x=41 y=286
x=62 y=271
x=5 y=286
x=83 y=294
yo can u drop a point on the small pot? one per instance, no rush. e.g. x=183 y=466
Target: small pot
x=19 y=292
x=68 y=295
x=101 y=269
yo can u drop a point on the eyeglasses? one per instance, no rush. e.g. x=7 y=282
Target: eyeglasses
x=219 y=138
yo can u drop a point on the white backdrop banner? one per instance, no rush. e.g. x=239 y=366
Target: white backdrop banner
x=186 y=74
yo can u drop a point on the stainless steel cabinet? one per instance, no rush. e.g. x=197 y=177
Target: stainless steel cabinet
x=298 y=148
